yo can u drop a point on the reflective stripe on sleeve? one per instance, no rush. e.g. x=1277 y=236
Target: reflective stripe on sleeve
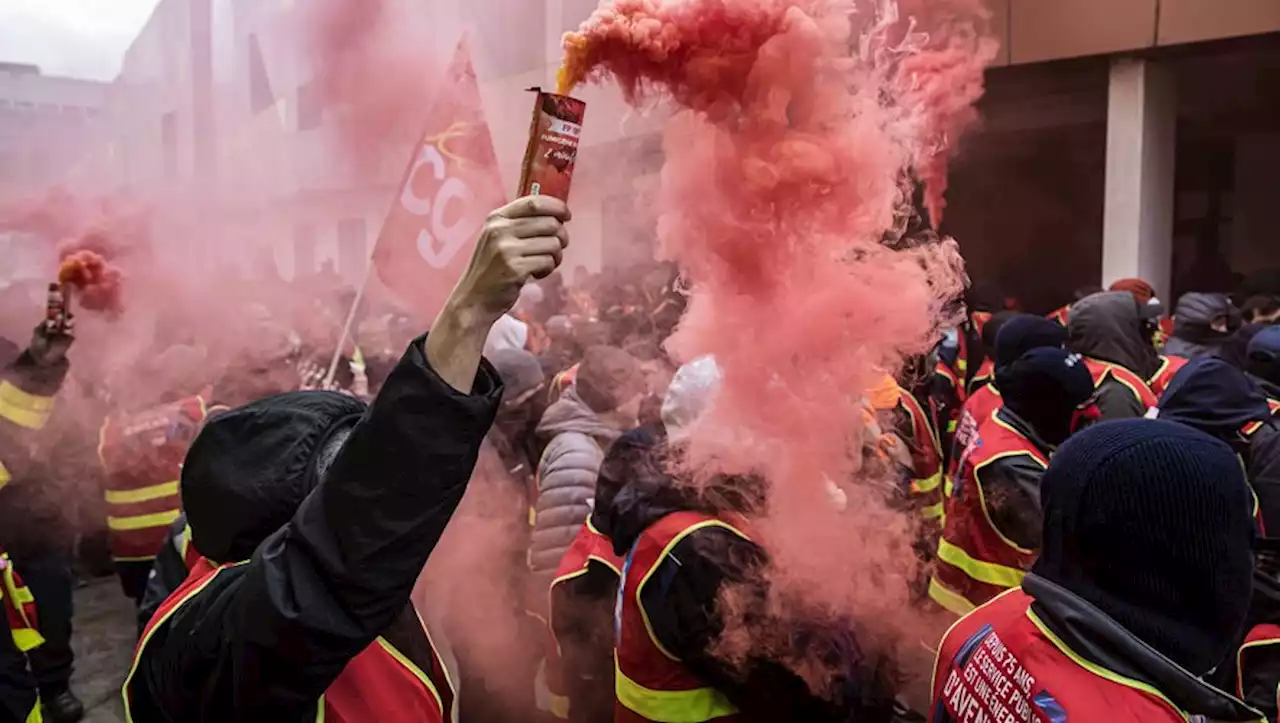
x=142 y=494
x=24 y=408
x=142 y=522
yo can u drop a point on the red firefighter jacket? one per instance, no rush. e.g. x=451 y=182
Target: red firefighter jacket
x=995 y=496
x=1169 y=366
x=579 y=641
x=142 y=455
x=651 y=683
x=977 y=410
x=382 y=683
x=1121 y=393
x=1016 y=659
x=19 y=607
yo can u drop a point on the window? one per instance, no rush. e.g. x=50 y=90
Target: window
x=169 y=143
x=352 y=254
x=310 y=107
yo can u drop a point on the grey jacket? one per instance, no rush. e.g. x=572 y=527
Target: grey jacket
x=576 y=440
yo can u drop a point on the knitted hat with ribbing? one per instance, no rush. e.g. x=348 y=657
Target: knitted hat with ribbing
x=1150 y=521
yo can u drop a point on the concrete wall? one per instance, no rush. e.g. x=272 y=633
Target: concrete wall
x=1034 y=31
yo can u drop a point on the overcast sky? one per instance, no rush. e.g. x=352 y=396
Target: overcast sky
x=81 y=38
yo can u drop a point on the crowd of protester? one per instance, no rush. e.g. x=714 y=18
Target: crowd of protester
x=1091 y=490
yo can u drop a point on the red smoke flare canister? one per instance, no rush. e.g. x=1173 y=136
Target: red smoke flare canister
x=553 y=145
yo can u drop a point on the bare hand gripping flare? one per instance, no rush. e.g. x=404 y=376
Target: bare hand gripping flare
x=799 y=126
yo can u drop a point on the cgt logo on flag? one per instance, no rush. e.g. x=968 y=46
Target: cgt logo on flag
x=450 y=184
x=441 y=237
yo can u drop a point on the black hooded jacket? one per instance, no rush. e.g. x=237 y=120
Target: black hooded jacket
x=1215 y=397
x=1193 y=333
x=264 y=639
x=684 y=618
x=1107 y=327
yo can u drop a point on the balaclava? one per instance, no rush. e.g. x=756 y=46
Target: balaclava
x=1045 y=387
x=1150 y=522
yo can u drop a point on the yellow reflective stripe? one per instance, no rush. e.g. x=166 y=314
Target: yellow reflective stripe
x=22 y=595
x=320 y=710
x=948 y=598
x=27 y=639
x=671 y=706
x=4 y=475
x=986 y=572
x=1114 y=677
x=142 y=494
x=35 y=716
x=933 y=512
x=24 y=408
x=925 y=485
x=142 y=522
x=417 y=672
x=559 y=706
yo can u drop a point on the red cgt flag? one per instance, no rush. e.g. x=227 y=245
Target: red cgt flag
x=451 y=183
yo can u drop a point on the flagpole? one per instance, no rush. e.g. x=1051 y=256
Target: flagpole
x=351 y=317
x=369 y=263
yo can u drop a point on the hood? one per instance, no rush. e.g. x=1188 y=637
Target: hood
x=1236 y=349
x=1271 y=389
x=635 y=490
x=1214 y=397
x=1108 y=327
x=652 y=493
x=571 y=414
x=250 y=468
x=1194 y=316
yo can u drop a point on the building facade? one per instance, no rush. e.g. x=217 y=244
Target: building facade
x=1119 y=139
x=44 y=122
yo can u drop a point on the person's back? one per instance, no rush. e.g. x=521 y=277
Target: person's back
x=1218 y=399
x=1107 y=329
x=585 y=588
x=141 y=452
x=992 y=532
x=1123 y=610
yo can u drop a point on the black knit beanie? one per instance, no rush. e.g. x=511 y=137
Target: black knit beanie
x=1150 y=521
x=1044 y=387
x=1025 y=332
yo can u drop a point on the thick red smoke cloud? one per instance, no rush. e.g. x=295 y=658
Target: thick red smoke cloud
x=798 y=131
